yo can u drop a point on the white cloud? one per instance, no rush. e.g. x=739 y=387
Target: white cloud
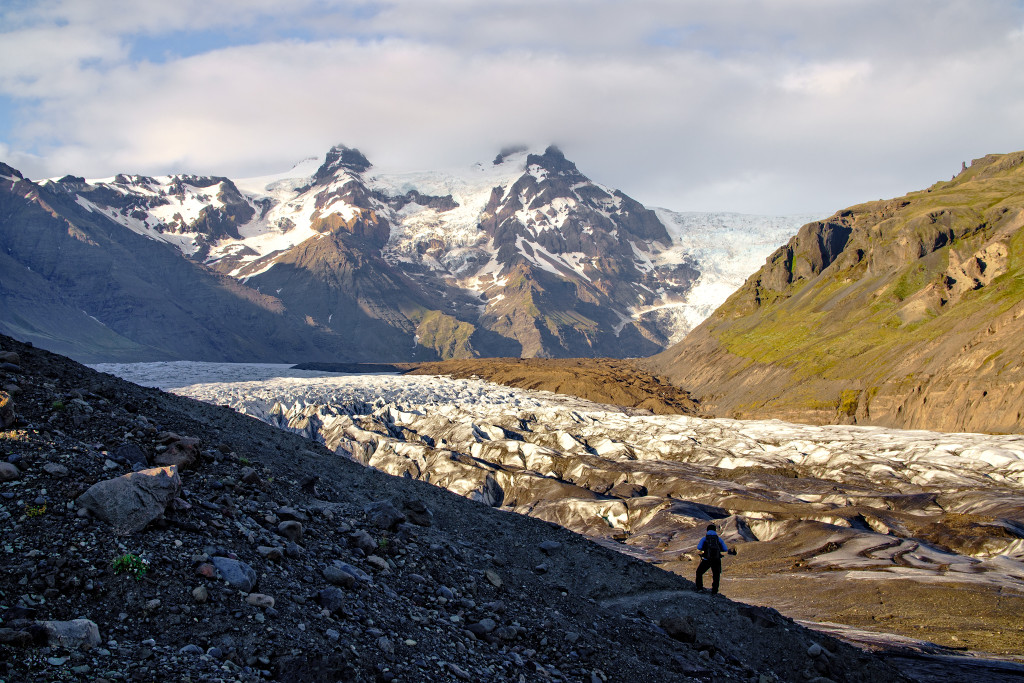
x=790 y=106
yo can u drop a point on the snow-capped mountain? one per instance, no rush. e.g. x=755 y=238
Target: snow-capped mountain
x=523 y=255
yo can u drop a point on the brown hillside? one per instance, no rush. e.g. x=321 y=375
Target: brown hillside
x=904 y=313
x=603 y=380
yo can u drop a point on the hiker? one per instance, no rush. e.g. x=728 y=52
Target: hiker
x=711 y=548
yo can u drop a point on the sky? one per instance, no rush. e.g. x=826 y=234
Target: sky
x=767 y=107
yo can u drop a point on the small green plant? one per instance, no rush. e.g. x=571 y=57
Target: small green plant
x=35 y=510
x=244 y=460
x=132 y=565
x=383 y=542
x=57 y=404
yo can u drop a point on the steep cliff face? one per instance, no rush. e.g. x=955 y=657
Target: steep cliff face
x=906 y=313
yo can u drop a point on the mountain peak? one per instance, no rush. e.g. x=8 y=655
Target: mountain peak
x=342 y=157
x=554 y=161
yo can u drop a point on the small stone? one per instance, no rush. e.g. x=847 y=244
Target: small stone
x=291 y=530
x=191 y=649
x=331 y=599
x=459 y=672
x=8 y=472
x=152 y=604
x=482 y=627
x=248 y=476
x=385 y=645
x=410 y=642
x=55 y=469
x=418 y=513
x=364 y=541
x=289 y=513
x=332 y=635
x=270 y=553
x=236 y=573
x=384 y=514
x=200 y=594
x=814 y=650
x=260 y=600
x=549 y=547
x=493 y=578
x=131 y=454
x=207 y=570
x=378 y=563
x=339 y=577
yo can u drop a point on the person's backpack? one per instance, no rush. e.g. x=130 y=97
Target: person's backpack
x=712 y=548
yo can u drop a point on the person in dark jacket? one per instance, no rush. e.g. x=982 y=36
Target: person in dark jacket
x=711 y=548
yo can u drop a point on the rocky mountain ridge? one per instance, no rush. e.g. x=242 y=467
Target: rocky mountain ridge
x=905 y=312
x=525 y=256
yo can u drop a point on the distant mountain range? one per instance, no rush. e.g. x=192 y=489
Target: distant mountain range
x=335 y=260
x=907 y=312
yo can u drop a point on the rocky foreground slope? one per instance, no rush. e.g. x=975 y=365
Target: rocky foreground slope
x=907 y=312
x=268 y=557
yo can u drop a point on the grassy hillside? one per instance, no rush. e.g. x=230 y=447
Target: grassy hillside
x=907 y=312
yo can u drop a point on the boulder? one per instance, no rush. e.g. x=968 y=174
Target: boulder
x=133 y=500
x=77 y=634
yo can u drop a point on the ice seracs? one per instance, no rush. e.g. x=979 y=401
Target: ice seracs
x=865 y=500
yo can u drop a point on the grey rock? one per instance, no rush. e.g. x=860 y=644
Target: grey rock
x=506 y=632
x=549 y=547
x=331 y=599
x=260 y=600
x=363 y=541
x=482 y=627
x=132 y=454
x=418 y=513
x=383 y=514
x=248 y=476
x=77 y=634
x=55 y=469
x=238 y=574
x=339 y=577
x=289 y=513
x=8 y=472
x=133 y=500
x=200 y=594
x=291 y=530
x=181 y=451
x=270 y=553
x=378 y=563
x=191 y=649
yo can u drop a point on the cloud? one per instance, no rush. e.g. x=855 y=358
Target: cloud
x=790 y=106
